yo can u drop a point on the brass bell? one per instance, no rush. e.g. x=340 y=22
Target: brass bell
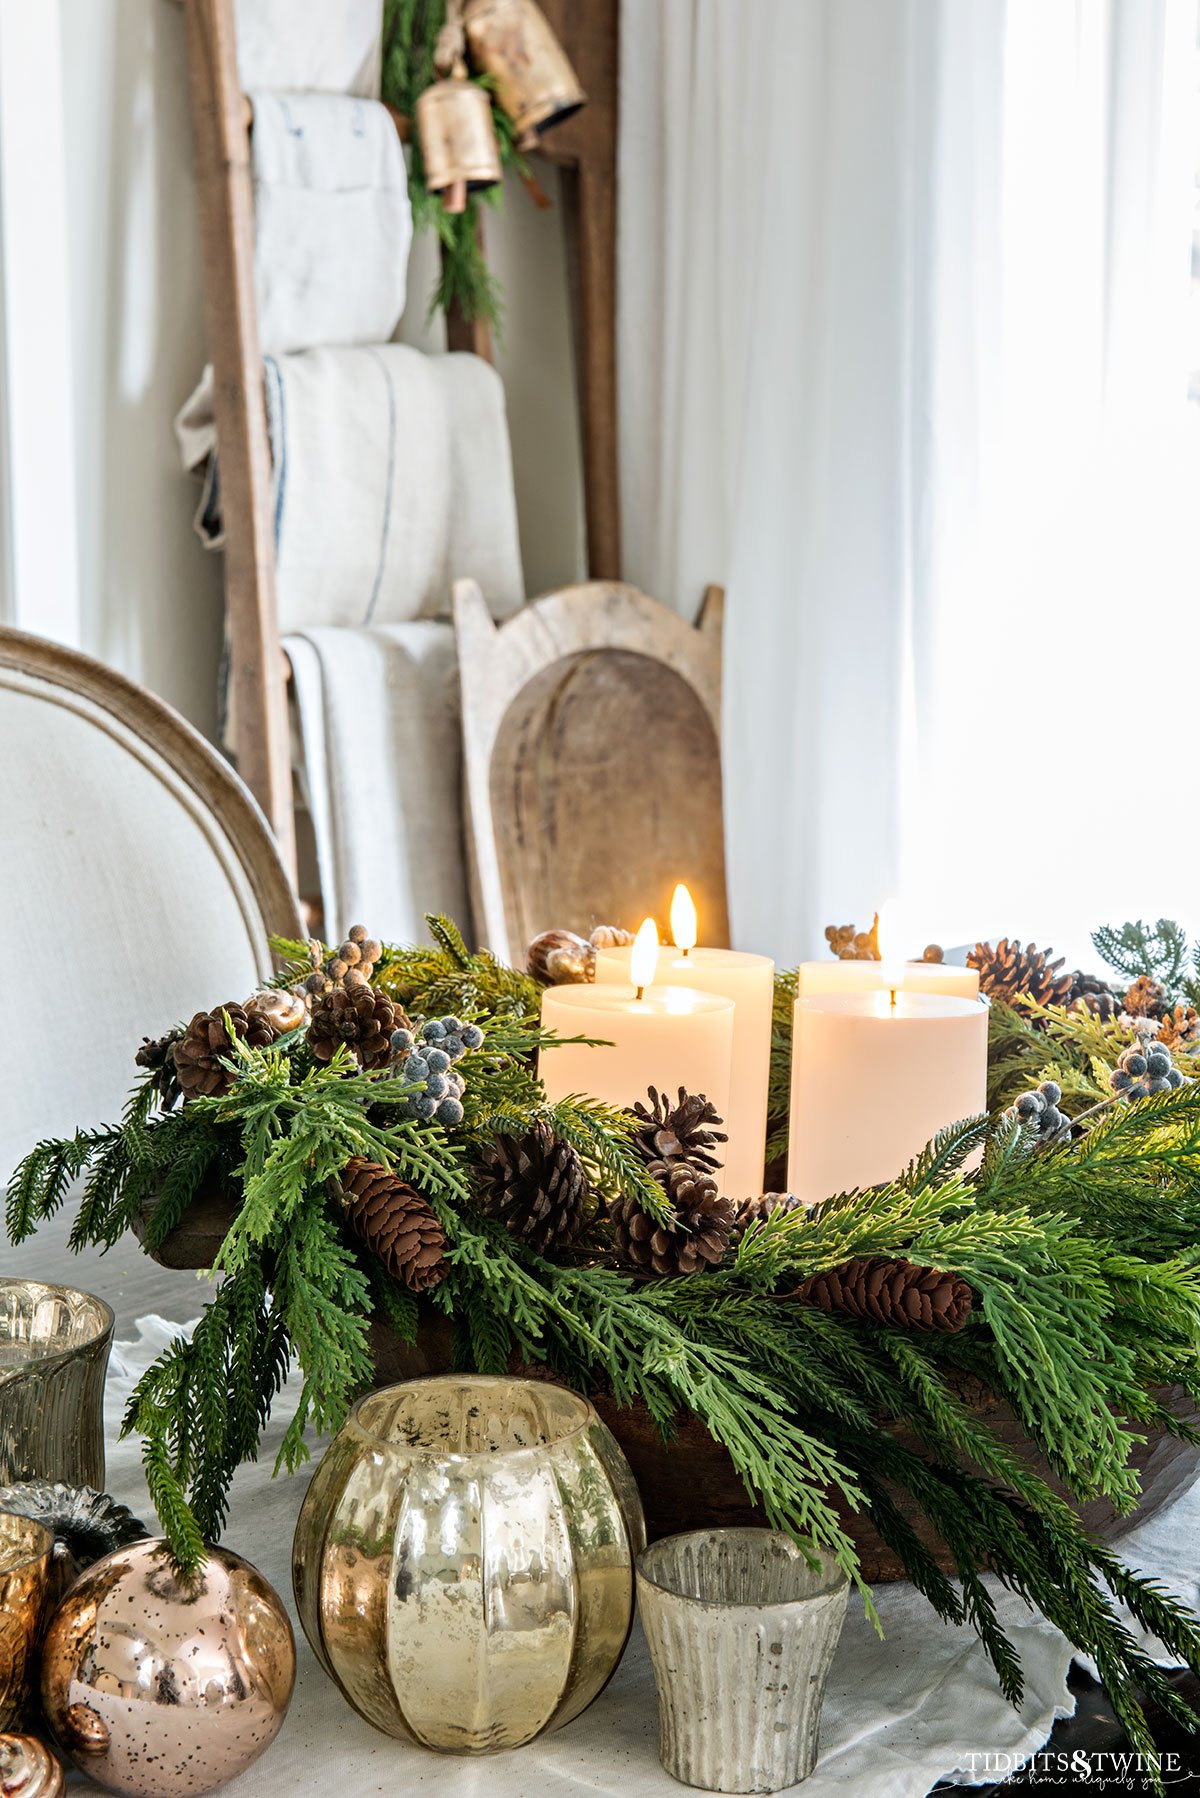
x=458 y=138
x=511 y=41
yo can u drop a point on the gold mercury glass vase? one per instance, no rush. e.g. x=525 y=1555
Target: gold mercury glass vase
x=463 y=1561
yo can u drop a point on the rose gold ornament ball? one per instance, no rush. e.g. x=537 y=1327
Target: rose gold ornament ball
x=162 y=1687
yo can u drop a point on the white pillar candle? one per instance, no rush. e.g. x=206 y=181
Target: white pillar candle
x=873 y=1080
x=835 y=976
x=671 y=1036
x=749 y=981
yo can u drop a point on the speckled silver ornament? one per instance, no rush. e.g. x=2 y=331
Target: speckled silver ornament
x=161 y=1687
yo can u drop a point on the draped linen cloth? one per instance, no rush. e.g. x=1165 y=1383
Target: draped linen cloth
x=328 y=46
x=332 y=220
x=392 y=478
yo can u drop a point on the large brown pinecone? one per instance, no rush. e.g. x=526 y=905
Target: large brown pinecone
x=694 y=1238
x=1179 y=1030
x=1146 y=998
x=758 y=1210
x=667 y=1132
x=357 y=1015
x=537 y=1186
x=1012 y=971
x=199 y=1051
x=891 y=1292
x=396 y=1224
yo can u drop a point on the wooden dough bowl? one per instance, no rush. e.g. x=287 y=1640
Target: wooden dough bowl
x=690 y=1483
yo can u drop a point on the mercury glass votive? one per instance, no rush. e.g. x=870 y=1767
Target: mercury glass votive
x=742 y=1630
x=54 y=1347
x=26 y=1553
x=463 y=1561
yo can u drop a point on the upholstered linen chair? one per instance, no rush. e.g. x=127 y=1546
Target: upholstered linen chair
x=138 y=883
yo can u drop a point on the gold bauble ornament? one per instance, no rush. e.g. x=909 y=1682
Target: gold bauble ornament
x=160 y=1686
x=27 y=1770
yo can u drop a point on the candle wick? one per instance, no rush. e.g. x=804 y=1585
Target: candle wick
x=687 y=950
x=640 y=991
x=893 y=998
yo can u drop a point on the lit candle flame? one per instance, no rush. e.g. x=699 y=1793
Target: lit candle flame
x=683 y=919
x=891 y=953
x=643 y=959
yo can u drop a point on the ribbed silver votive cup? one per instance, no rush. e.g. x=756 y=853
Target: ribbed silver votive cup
x=742 y=1633
x=54 y=1347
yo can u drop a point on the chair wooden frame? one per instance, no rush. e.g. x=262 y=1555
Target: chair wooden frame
x=220 y=797
x=502 y=667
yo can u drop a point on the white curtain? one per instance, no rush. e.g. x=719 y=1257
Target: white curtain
x=902 y=355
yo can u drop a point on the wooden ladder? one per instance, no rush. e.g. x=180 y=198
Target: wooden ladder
x=584 y=148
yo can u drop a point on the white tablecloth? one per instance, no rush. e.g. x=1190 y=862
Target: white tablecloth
x=900 y=1714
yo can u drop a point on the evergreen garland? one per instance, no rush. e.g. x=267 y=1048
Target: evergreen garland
x=1082 y=1256
x=410 y=31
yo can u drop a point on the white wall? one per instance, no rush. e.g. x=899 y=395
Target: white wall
x=150 y=597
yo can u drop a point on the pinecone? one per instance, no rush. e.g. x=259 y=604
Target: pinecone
x=396 y=1223
x=1146 y=998
x=156 y=1054
x=537 y=1187
x=849 y=943
x=1013 y=971
x=1179 y=1030
x=697 y=1234
x=891 y=1292
x=668 y=1132
x=758 y=1210
x=357 y=1015
x=610 y=936
x=198 y=1053
x=1089 y=992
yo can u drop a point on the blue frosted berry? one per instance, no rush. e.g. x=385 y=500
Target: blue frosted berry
x=436 y=1086
x=436 y=1060
x=1174 y=1078
x=1158 y=1063
x=450 y=1112
x=1120 y=1080
x=1052 y=1121
x=1135 y=1064
x=1029 y=1106
x=424 y=1106
x=1158 y=1083
x=452 y=1026
x=1051 y=1091
x=433 y=1032
x=415 y=1069
x=401 y=1040
x=472 y=1037
x=453 y=1046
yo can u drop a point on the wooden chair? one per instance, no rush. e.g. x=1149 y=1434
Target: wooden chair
x=140 y=884
x=591 y=739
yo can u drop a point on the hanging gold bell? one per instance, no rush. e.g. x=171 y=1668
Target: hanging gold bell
x=511 y=41
x=458 y=138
